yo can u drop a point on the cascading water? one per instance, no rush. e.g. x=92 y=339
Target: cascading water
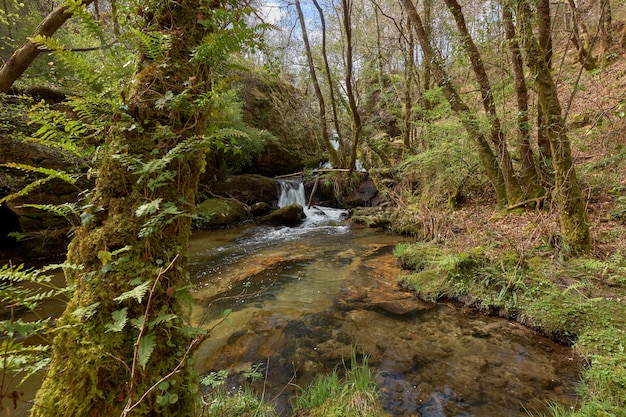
x=293 y=192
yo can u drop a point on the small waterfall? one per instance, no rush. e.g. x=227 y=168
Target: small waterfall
x=291 y=192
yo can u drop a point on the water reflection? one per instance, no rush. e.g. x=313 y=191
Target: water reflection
x=301 y=301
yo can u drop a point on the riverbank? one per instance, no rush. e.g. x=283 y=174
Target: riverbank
x=512 y=264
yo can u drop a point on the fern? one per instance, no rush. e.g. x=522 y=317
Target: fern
x=154 y=44
x=81 y=67
x=69 y=211
x=56 y=130
x=50 y=174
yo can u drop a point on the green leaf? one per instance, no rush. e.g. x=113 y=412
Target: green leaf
x=85 y=312
x=146 y=346
x=138 y=293
x=104 y=256
x=119 y=320
x=148 y=208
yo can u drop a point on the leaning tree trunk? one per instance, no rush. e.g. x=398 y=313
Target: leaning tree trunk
x=123 y=341
x=567 y=192
x=329 y=75
x=334 y=158
x=467 y=117
x=513 y=190
x=26 y=54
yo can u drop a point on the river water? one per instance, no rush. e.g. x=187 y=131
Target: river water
x=303 y=298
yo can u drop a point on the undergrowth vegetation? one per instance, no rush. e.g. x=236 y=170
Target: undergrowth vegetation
x=577 y=301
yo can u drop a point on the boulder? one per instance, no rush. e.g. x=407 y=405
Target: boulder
x=44 y=232
x=215 y=212
x=247 y=188
x=291 y=215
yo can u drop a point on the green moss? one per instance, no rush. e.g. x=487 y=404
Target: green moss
x=556 y=297
x=219 y=212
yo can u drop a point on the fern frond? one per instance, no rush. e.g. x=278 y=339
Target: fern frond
x=154 y=44
x=69 y=211
x=50 y=175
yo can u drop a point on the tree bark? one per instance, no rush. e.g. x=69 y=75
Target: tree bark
x=513 y=190
x=407 y=105
x=96 y=364
x=545 y=41
x=28 y=52
x=567 y=192
x=357 y=127
x=606 y=30
x=467 y=117
x=585 y=57
x=334 y=158
x=528 y=172
x=329 y=75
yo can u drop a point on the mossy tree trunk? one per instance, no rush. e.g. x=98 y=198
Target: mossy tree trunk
x=468 y=117
x=544 y=18
x=357 y=126
x=567 y=192
x=528 y=171
x=513 y=190
x=124 y=332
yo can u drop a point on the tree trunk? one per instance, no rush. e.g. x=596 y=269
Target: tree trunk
x=513 y=190
x=567 y=192
x=329 y=75
x=26 y=54
x=606 y=30
x=334 y=159
x=407 y=105
x=467 y=117
x=585 y=57
x=528 y=172
x=123 y=340
x=545 y=41
x=354 y=110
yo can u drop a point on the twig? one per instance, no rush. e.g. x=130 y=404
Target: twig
x=526 y=202
x=129 y=404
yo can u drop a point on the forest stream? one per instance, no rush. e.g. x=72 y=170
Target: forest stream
x=303 y=298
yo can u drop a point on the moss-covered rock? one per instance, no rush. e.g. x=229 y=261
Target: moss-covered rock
x=218 y=212
x=291 y=215
x=275 y=105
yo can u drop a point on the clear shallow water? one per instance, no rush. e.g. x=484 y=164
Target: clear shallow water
x=302 y=298
x=300 y=303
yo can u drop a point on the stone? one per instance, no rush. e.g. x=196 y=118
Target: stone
x=218 y=212
x=291 y=215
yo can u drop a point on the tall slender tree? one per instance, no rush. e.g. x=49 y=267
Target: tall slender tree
x=528 y=172
x=567 y=192
x=357 y=127
x=334 y=158
x=327 y=71
x=466 y=115
x=513 y=190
